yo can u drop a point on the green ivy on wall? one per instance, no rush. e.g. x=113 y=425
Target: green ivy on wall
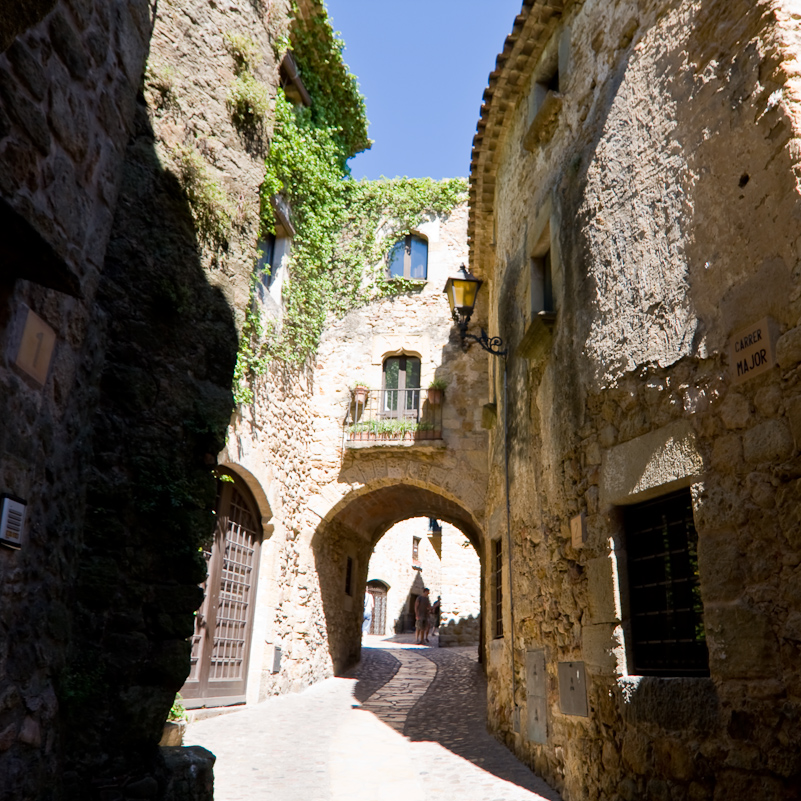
x=344 y=227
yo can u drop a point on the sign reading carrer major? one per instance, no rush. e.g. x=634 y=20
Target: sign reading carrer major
x=751 y=350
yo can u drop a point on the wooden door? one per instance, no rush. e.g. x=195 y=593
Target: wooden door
x=223 y=625
x=378 y=625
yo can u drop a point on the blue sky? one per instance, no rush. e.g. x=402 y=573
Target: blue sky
x=423 y=67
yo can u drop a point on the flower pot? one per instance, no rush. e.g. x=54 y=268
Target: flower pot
x=173 y=733
x=435 y=396
x=360 y=394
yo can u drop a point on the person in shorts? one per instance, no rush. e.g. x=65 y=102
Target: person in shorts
x=422 y=613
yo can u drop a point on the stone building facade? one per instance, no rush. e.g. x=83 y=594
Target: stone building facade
x=118 y=321
x=420 y=553
x=130 y=184
x=325 y=499
x=634 y=207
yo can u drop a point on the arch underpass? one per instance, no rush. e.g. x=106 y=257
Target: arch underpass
x=344 y=541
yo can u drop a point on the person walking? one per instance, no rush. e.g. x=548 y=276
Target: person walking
x=422 y=612
x=369 y=606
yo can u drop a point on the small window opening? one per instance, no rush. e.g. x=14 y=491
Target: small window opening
x=497 y=571
x=267 y=266
x=416 y=549
x=408 y=258
x=552 y=83
x=542 y=284
x=349 y=576
x=434 y=526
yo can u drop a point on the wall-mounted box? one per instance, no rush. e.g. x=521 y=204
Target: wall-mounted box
x=272 y=657
x=12 y=520
x=536 y=697
x=572 y=689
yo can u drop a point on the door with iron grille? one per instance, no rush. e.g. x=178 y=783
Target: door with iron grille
x=378 y=625
x=223 y=625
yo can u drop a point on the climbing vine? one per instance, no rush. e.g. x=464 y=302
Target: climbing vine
x=343 y=227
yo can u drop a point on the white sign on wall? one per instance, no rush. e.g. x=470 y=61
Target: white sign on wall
x=752 y=350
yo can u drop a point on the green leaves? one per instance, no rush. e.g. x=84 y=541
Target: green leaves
x=212 y=209
x=343 y=227
x=248 y=100
x=337 y=103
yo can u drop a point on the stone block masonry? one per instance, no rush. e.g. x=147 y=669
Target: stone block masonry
x=447 y=564
x=328 y=504
x=113 y=450
x=664 y=198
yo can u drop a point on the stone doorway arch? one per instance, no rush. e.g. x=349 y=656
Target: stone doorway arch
x=345 y=538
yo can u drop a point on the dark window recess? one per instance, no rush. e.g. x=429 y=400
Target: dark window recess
x=542 y=283
x=667 y=616
x=552 y=83
x=267 y=260
x=349 y=577
x=434 y=526
x=497 y=576
x=408 y=258
x=416 y=549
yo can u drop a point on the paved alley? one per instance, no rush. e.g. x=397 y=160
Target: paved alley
x=407 y=724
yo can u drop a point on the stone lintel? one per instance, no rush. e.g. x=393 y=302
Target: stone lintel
x=651 y=465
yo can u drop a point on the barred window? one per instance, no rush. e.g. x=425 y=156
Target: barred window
x=667 y=619
x=497 y=581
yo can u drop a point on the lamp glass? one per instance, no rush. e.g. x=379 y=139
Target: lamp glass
x=462 y=293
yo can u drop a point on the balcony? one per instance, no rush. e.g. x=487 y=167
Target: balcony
x=393 y=417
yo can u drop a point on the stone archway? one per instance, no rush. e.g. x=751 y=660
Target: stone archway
x=345 y=538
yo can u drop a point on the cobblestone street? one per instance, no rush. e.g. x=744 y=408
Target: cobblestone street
x=406 y=724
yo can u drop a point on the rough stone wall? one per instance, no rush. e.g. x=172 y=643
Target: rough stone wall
x=114 y=453
x=67 y=89
x=669 y=185
x=69 y=73
x=289 y=446
x=178 y=273
x=391 y=562
x=270 y=444
x=461 y=578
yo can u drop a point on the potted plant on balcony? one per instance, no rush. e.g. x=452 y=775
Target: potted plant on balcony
x=436 y=389
x=360 y=391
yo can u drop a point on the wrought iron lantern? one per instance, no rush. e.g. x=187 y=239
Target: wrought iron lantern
x=462 y=291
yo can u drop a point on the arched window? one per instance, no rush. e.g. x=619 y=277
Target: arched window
x=408 y=258
x=401 y=386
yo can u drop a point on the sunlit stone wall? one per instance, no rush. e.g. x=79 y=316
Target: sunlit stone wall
x=663 y=181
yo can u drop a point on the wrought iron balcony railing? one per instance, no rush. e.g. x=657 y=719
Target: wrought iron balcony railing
x=393 y=415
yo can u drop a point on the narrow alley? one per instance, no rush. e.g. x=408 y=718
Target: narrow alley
x=407 y=723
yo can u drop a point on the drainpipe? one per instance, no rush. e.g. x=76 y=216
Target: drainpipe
x=516 y=710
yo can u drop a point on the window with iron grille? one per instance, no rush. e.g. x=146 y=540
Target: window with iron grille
x=497 y=582
x=667 y=619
